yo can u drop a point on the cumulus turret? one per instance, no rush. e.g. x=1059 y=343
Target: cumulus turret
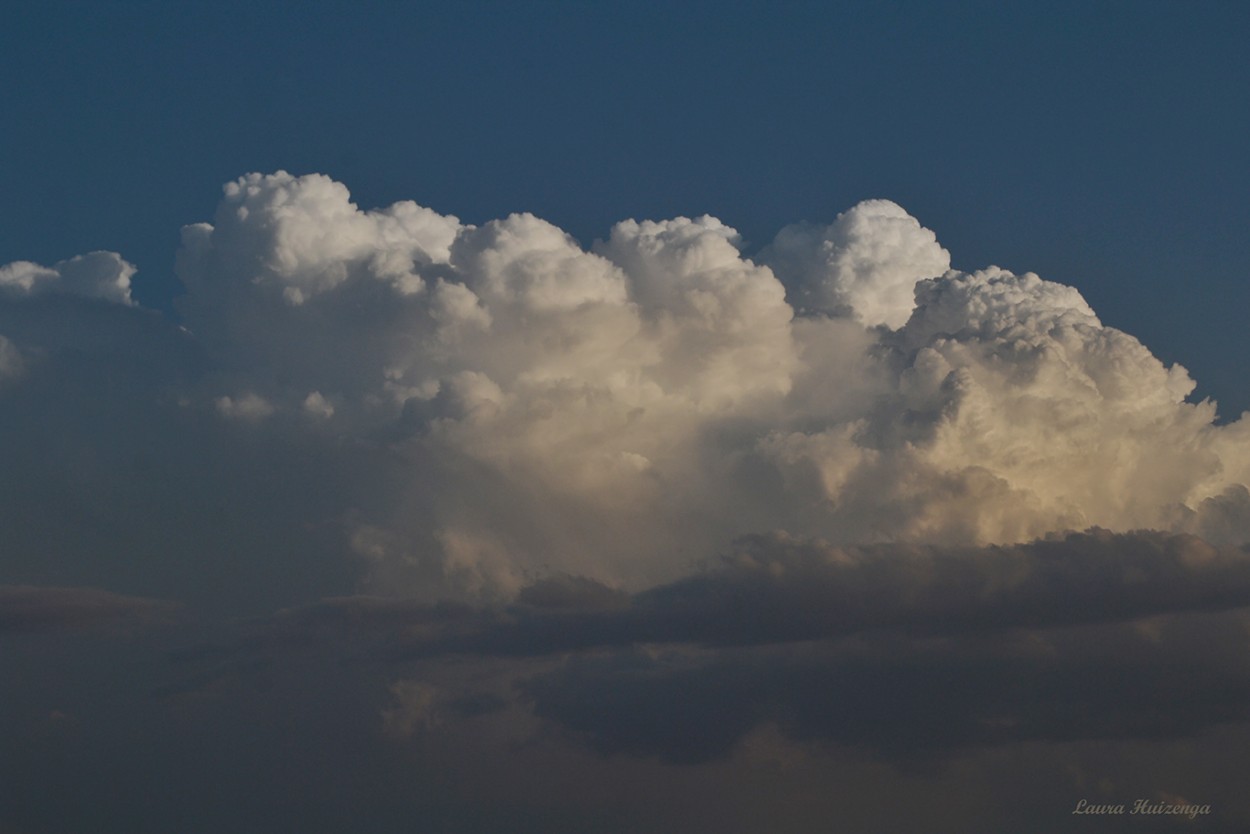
x=865 y=264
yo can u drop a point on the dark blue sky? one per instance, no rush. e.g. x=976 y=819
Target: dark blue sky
x=1098 y=144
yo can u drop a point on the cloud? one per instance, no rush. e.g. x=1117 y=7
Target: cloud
x=866 y=263
x=909 y=700
x=490 y=404
x=11 y=364
x=777 y=589
x=303 y=237
x=661 y=383
x=28 y=608
x=912 y=654
x=413 y=709
x=120 y=472
x=539 y=518
x=903 y=652
x=1065 y=660
x=246 y=407
x=102 y=275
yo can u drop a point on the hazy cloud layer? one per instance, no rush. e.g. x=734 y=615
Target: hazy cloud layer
x=909 y=700
x=900 y=650
x=1098 y=666
x=26 y=608
x=11 y=364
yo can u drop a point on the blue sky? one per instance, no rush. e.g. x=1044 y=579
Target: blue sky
x=1098 y=144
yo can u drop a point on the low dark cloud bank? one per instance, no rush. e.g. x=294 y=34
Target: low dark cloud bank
x=903 y=650
x=1096 y=662
x=775 y=588
x=25 y=608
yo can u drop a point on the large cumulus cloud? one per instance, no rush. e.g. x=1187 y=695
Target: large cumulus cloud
x=663 y=389
x=651 y=511
x=492 y=403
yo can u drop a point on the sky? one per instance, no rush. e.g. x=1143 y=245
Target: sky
x=562 y=417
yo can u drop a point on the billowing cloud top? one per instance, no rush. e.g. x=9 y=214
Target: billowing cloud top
x=866 y=263
x=617 y=412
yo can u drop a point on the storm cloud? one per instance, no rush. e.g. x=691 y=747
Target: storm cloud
x=480 y=504
x=622 y=410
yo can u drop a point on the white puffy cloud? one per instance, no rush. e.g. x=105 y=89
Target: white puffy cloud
x=302 y=236
x=317 y=405
x=866 y=262
x=528 y=262
x=719 y=323
x=513 y=404
x=103 y=275
x=247 y=407
x=613 y=411
x=1011 y=412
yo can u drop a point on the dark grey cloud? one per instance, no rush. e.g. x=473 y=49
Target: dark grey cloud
x=910 y=700
x=117 y=474
x=28 y=608
x=778 y=588
x=907 y=652
x=989 y=721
